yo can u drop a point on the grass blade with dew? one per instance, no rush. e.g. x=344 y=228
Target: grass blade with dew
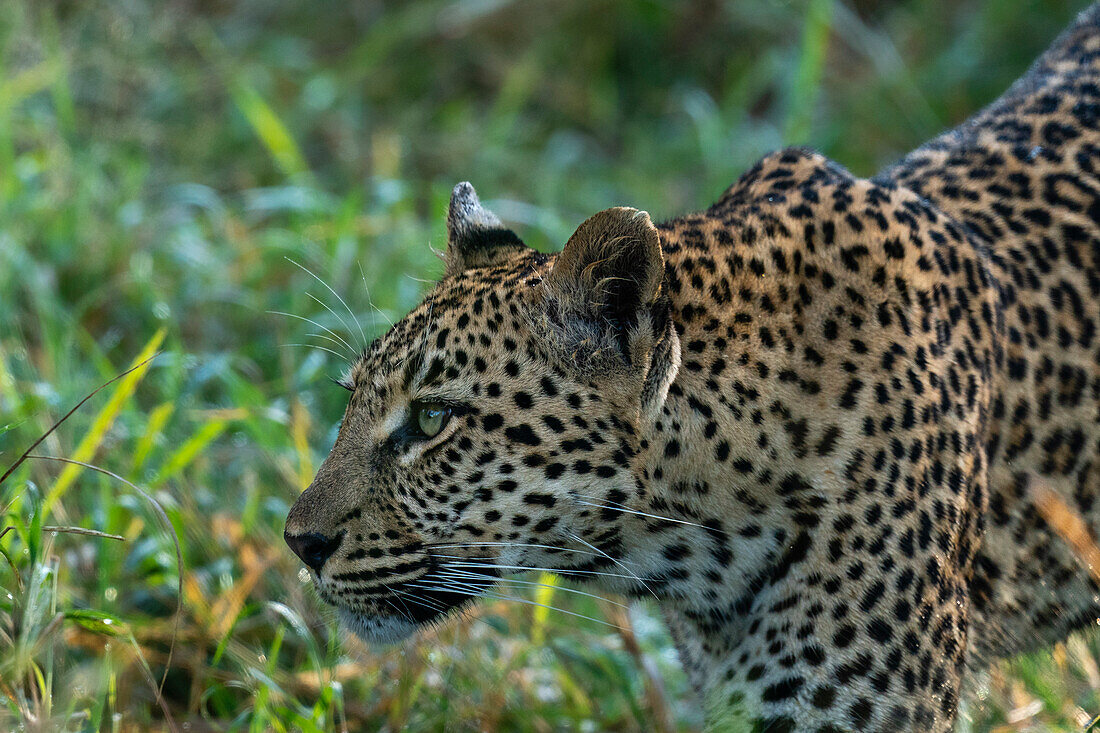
x=128 y=381
x=163 y=516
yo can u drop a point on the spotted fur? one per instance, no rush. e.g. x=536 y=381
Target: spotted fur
x=805 y=419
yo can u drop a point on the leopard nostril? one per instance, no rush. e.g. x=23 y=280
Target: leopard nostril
x=314 y=548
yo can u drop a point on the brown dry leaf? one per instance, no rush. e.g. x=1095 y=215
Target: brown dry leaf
x=1059 y=655
x=344 y=672
x=194 y=598
x=228 y=606
x=228 y=527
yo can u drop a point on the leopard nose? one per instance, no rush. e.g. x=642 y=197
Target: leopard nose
x=313 y=547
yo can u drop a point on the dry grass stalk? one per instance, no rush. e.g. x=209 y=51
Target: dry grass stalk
x=656 y=696
x=1067 y=522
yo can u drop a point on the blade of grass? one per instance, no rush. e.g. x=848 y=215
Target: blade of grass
x=82 y=531
x=187 y=452
x=167 y=523
x=807 y=78
x=228 y=607
x=261 y=117
x=544 y=596
x=158 y=691
x=14 y=88
x=60 y=91
x=655 y=695
x=157 y=420
x=69 y=414
x=299 y=429
x=103 y=421
x=269 y=129
x=46 y=633
x=27 y=83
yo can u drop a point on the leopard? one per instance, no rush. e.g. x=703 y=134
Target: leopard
x=811 y=420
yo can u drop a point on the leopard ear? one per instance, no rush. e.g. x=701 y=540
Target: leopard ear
x=606 y=299
x=476 y=237
x=610 y=270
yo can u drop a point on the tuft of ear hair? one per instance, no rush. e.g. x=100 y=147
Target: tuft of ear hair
x=476 y=237
x=606 y=303
x=610 y=270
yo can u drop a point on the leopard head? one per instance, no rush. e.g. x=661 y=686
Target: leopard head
x=497 y=427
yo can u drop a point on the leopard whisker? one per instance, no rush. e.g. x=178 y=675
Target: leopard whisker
x=342 y=301
x=462 y=557
x=441 y=584
x=614 y=560
x=322 y=348
x=425 y=602
x=511 y=544
x=500 y=597
x=406 y=613
x=624 y=510
x=335 y=315
x=422 y=353
x=370 y=302
x=318 y=325
x=535 y=583
x=563 y=571
x=322 y=336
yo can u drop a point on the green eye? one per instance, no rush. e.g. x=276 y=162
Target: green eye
x=431 y=418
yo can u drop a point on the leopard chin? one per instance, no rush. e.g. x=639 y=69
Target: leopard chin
x=378 y=631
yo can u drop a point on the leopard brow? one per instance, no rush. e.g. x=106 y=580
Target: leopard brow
x=436 y=367
x=411 y=367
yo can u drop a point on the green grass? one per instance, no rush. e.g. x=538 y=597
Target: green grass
x=165 y=167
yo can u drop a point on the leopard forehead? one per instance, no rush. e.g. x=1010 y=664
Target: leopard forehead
x=463 y=316
x=528 y=423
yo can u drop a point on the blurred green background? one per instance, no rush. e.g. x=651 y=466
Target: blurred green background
x=170 y=170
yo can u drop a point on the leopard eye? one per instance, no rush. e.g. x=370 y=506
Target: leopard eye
x=431 y=418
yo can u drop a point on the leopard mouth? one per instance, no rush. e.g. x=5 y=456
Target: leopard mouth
x=398 y=610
